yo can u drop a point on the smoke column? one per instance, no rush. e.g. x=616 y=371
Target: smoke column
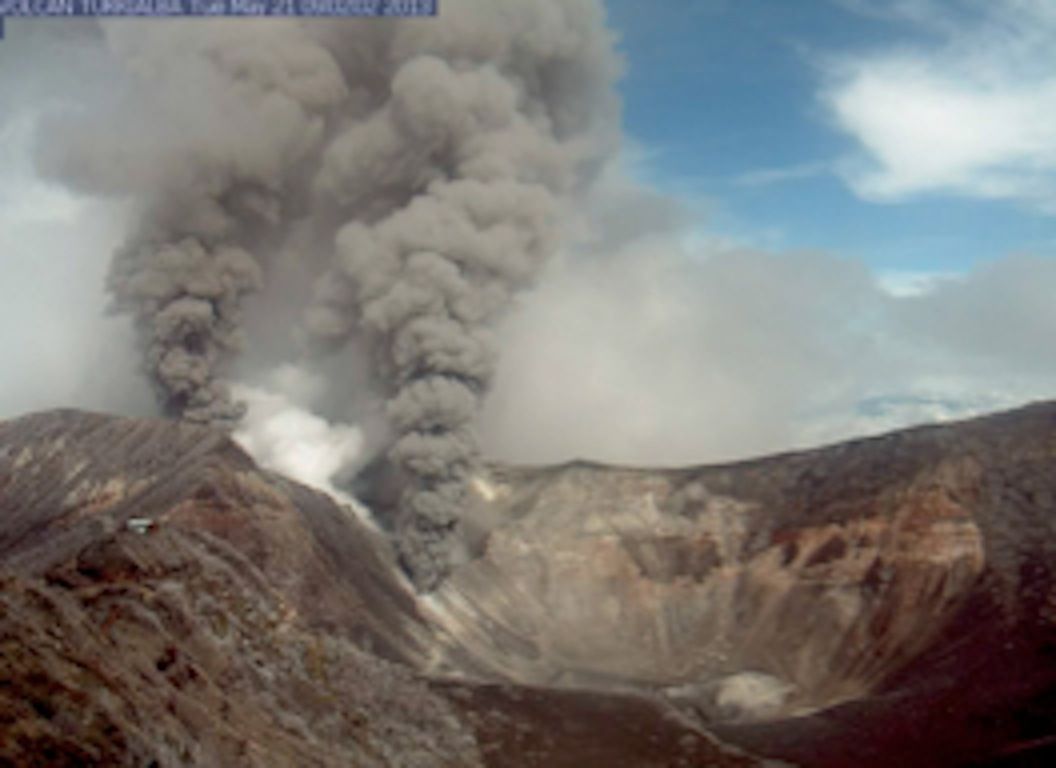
x=430 y=161
x=206 y=133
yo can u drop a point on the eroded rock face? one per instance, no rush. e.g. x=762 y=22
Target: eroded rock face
x=887 y=585
x=652 y=579
x=889 y=601
x=163 y=602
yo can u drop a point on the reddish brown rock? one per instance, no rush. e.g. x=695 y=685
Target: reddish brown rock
x=884 y=602
x=163 y=602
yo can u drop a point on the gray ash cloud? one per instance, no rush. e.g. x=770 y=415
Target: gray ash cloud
x=430 y=159
x=206 y=129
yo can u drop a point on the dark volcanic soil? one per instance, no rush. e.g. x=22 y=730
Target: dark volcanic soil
x=254 y=623
x=886 y=602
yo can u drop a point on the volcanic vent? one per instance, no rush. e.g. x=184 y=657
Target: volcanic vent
x=862 y=586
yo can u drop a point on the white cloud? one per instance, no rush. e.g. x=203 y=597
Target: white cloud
x=1001 y=317
x=973 y=115
x=763 y=177
x=672 y=349
x=58 y=347
x=661 y=356
x=24 y=197
x=57 y=344
x=906 y=283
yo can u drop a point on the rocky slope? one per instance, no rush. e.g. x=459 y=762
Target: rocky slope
x=883 y=601
x=886 y=601
x=165 y=602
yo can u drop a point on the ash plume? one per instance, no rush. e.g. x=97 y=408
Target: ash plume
x=211 y=126
x=482 y=125
x=429 y=161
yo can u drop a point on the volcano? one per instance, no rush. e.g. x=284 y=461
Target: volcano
x=887 y=601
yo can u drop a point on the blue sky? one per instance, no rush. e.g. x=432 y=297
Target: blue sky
x=871 y=197
x=830 y=218
x=728 y=102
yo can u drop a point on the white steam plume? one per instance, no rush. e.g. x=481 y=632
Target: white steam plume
x=285 y=436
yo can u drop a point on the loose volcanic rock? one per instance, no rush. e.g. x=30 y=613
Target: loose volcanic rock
x=165 y=602
x=884 y=601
